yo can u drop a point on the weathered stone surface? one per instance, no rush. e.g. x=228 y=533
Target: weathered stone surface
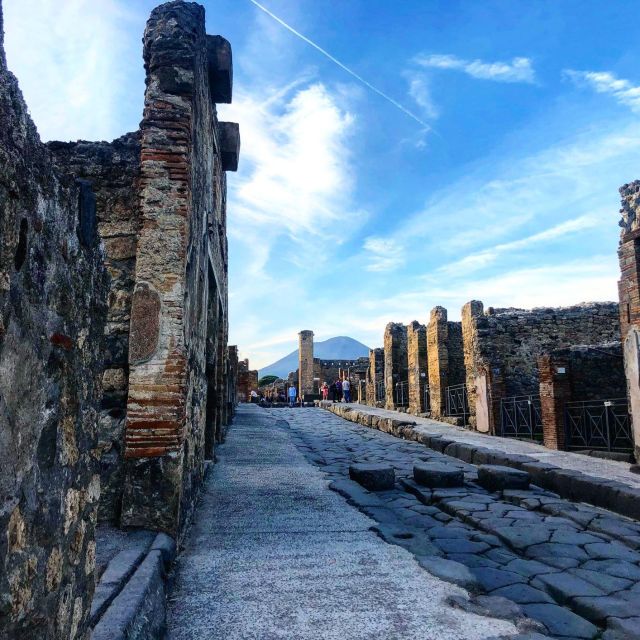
x=437 y=475
x=53 y=289
x=560 y=621
x=499 y=478
x=229 y=145
x=374 y=477
x=395 y=365
x=145 y=323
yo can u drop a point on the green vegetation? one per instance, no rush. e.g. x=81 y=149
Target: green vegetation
x=265 y=380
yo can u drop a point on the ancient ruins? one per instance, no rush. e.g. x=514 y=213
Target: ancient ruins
x=116 y=379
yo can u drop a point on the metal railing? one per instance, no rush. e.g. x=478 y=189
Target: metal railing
x=457 y=401
x=599 y=424
x=426 y=398
x=521 y=417
x=401 y=394
x=380 y=392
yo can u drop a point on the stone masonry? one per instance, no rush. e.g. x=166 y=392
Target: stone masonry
x=629 y=296
x=305 y=363
x=375 y=376
x=53 y=288
x=395 y=365
x=417 y=363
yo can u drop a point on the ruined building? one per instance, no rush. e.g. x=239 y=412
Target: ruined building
x=247 y=381
x=113 y=271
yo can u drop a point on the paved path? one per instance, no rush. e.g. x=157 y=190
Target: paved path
x=606 y=469
x=274 y=553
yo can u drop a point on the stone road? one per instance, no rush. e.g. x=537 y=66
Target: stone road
x=275 y=553
x=571 y=567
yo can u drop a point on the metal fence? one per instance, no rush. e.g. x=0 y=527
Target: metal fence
x=380 y=392
x=427 y=398
x=599 y=424
x=401 y=394
x=521 y=417
x=457 y=401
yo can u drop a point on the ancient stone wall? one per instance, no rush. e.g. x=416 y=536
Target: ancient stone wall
x=504 y=344
x=53 y=289
x=418 y=369
x=177 y=341
x=395 y=365
x=113 y=170
x=305 y=364
x=375 y=376
x=247 y=381
x=629 y=296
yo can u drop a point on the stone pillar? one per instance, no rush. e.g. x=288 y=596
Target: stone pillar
x=629 y=295
x=181 y=247
x=418 y=368
x=395 y=361
x=375 y=375
x=305 y=363
x=555 y=392
x=438 y=360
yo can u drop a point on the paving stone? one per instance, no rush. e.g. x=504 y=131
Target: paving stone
x=372 y=476
x=499 y=606
x=556 y=550
x=608 y=584
x=523 y=594
x=521 y=537
x=498 y=478
x=435 y=475
x=559 y=562
x=529 y=568
x=560 y=621
x=611 y=550
x=492 y=579
x=598 y=609
x=356 y=493
x=573 y=537
x=472 y=560
x=443 y=532
x=459 y=545
x=629 y=628
x=450 y=571
x=565 y=586
x=618 y=568
x=500 y=555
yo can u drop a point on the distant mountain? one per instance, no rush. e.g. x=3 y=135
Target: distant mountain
x=340 y=348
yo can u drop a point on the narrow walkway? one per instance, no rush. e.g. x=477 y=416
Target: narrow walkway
x=274 y=553
x=606 y=469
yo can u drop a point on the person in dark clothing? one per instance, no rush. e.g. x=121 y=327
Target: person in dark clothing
x=333 y=391
x=339 y=389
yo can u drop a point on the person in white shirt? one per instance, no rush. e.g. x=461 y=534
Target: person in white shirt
x=346 y=390
x=292 y=395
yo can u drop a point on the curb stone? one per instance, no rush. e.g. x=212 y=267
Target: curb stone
x=572 y=485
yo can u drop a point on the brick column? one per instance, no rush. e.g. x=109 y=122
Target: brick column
x=305 y=363
x=417 y=363
x=375 y=374
x=555 y=392
x=395 y=360
x=438 y=359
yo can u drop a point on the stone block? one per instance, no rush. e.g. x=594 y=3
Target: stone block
x=498 y=478
x=220 y=62
x=374 y=477
x=437 y=475
x=229 y=145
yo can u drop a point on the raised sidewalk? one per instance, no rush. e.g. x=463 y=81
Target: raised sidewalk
x=603 y=483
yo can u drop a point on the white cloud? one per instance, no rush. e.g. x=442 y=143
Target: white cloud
x=517 y=70
x=384 y=254
x=420 y=92
x=622 y=90
x=78 y=77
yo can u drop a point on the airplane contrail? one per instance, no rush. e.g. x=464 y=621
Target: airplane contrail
x=395 y=103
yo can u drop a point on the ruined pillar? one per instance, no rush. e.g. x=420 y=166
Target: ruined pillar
x=181 y=249
x=305 y=364
x=438 y=359
x=555 y=392
x=375 y=376
x=629 y=294
x=418 y=368
x=395 y=365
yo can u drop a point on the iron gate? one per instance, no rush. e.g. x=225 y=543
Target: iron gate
x=380 y=393
x=427 y=399
x=457 y=403
x=401 y=395
x=599 y=424
x=521 y=417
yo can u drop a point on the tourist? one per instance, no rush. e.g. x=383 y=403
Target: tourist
x=254 y=396
x=334 y=391
x=339 y=389
x=346 y=390
x=325 y=391
x=292 y=395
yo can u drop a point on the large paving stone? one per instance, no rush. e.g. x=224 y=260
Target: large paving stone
x=435 y=475
x=618 y=568
x=523 y=594
x=560 y=621
x=565 y=586
x=375 y=477
x=492 y=579
x=521 y=537
x=498 y=478
x=627 y=628
x=450 y=571
x=599 y=609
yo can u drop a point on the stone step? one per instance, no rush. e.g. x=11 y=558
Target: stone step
x=437 y=475
x=375 y=477
x=498 y=478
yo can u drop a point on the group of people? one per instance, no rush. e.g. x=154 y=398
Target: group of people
x=339 y=390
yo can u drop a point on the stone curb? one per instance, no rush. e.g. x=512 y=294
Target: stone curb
x=572 y=485
x=139 y=612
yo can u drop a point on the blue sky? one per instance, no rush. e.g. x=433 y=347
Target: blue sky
x=347 y=213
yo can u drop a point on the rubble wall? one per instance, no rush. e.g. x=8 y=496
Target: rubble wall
x=53 y=290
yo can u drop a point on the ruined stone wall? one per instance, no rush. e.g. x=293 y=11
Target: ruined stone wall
x=305 y=364
x=375 y=375
x=113 y=170
x=596 y=372
x=417 y=363
x=438 y=359
x=178 y=310
x=395 y=362
x=247 y=381
x=53 y=291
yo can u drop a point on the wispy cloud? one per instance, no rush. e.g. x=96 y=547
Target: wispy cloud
x=482 y=259
x=622 y=90
x=516 y=70
x=420 y=91
x=383 y=254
